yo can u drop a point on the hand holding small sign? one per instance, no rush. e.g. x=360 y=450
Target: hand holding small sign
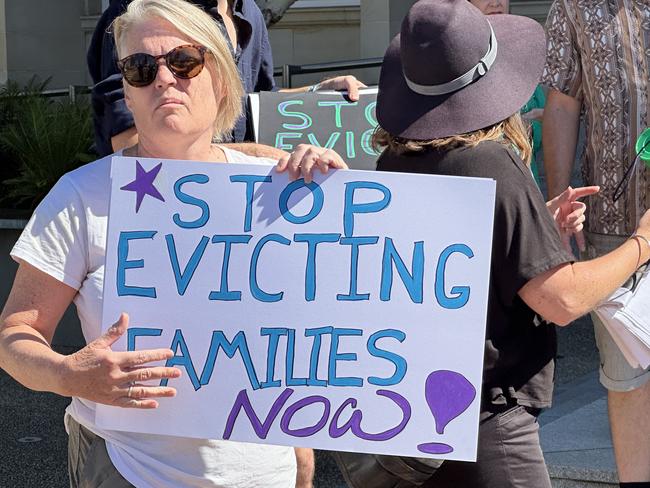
x=343 y=83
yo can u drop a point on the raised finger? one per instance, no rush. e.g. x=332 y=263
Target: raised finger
x=584 y=191
x=142 y=392
x=113 y=333
x=147 y=374
x=133 y=359
x=126 y=402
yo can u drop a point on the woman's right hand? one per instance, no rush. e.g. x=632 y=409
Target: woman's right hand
x=569 y=214
x=102 y=375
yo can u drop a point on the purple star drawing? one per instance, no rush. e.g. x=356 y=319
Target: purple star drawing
x=143 y=184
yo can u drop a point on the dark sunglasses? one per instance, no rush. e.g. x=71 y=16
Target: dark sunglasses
x=185 y=62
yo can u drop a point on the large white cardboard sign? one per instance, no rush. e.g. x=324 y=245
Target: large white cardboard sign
x=345 y=314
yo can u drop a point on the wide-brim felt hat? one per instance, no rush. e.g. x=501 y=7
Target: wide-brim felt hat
x=453 y=70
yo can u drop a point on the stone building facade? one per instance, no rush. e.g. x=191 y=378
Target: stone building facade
x=49 y=39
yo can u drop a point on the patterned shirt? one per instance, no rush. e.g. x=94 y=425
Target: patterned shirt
x=599 y=52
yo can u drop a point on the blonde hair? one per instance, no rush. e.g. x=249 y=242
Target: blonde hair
x=510 y=132
x=194 y=23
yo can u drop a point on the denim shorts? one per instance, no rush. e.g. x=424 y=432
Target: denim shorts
x=616 y=374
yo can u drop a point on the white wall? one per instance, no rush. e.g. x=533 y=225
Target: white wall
x=54 y=42
x=44 y=38
x=312 y=33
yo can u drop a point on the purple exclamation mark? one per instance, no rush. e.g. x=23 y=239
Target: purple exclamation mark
x=448 y=394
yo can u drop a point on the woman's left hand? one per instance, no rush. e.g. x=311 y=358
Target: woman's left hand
x=569 y=214
x=348 y=83
x=302 y=162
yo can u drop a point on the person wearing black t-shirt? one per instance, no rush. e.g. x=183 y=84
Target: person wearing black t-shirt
x=450 y=91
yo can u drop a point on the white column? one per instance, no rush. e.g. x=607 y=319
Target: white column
x=381 y=20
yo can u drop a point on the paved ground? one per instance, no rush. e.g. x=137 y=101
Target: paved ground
x=33 y=442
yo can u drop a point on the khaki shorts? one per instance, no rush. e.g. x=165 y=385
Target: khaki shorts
x=88 y=463
x=616 y=374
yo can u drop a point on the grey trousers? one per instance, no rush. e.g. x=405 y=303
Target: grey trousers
x=509 y=455
x=88 y=463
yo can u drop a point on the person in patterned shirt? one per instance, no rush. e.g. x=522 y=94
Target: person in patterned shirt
x=598 y=60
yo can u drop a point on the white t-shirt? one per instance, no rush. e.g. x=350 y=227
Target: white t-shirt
x=66 y=238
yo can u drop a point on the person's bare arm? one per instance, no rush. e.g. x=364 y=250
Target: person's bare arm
x=305 y=467
x=125 y=139
x=559 y=139
x=31 y=314
x=27 y=324
x=348 y=83
x=569 y=291
x=259 y=150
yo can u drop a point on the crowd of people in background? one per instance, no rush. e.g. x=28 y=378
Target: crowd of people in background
x=464 y=90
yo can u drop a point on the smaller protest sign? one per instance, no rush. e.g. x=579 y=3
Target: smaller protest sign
x=324 y=119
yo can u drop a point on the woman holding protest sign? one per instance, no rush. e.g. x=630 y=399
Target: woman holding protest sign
x=184 y=90
x=442 y=111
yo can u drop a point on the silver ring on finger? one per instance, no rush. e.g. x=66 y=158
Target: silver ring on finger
x=128 y=393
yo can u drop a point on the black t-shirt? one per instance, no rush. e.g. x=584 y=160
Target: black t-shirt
x=519 y=350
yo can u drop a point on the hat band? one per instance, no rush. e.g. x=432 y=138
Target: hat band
x=476 y=72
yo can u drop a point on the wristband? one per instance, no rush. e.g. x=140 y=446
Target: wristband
x=314 y=88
